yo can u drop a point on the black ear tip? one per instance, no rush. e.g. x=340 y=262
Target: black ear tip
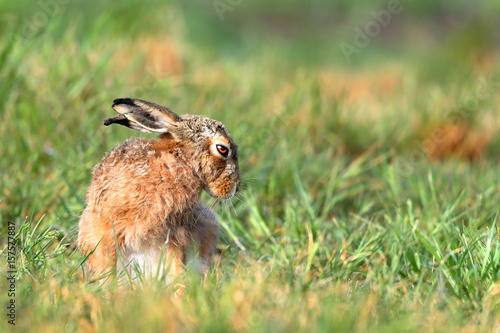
x=123 y=101
x=118 y=119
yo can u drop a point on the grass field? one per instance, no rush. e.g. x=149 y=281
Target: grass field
x=370 y=188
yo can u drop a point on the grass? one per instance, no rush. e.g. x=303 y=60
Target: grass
x=370 y=190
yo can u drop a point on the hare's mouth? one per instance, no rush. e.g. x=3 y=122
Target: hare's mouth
x=224 y=192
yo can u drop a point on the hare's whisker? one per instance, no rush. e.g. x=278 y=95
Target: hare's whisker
x=216 y=203
x=232 y=206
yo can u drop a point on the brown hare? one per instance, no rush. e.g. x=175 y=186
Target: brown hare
x=143 y=199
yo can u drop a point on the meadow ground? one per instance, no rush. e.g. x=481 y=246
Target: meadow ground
x=370 y=188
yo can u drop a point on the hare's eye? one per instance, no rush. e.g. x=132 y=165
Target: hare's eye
x=223 y=150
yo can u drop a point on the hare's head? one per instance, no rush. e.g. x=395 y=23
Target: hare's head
x=206 y=142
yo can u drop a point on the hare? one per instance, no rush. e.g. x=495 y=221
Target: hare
x=143 y=199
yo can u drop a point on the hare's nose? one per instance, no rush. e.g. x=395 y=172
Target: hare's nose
x=237 y=188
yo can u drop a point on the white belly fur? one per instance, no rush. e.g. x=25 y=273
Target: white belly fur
x=153 y=262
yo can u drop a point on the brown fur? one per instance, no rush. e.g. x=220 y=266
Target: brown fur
x=146 y=192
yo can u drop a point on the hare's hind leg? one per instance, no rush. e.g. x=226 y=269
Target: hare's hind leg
x=94 y=237
x=206 y=234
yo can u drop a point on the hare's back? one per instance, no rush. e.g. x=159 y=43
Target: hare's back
x=130 y=159
x=142 y=172
x=122 y=173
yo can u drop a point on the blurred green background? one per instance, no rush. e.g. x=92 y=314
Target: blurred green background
x=304 y=33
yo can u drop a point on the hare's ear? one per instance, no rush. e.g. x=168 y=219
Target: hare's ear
x=143 y=116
